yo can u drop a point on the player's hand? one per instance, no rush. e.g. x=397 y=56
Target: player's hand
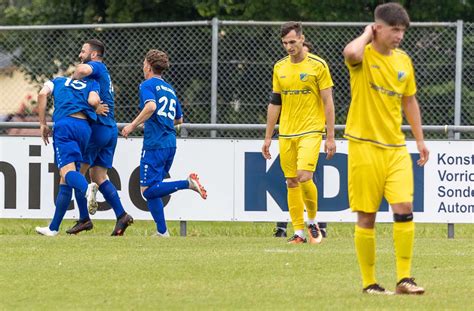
x=330 y=148
x=102 y=109
x=45 y=133
x=266 y=149
x=424 y=153
x=127 y=130
x=370 y=31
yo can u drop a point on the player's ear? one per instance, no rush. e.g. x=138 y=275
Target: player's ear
x=377 y=26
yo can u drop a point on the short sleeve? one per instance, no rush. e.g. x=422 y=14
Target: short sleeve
x=410 y=89
x=324 y=78
x=146 y=94
x=276 y=83
x=352 y=67
x=179 y=112
x=50 y=85
x=95 y=87
x=95 y=70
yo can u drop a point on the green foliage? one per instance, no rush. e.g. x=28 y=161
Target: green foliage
x=29 y=12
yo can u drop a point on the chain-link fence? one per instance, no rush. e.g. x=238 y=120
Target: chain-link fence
x=237 y=88
x=467 y=101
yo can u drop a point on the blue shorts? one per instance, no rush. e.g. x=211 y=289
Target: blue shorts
x=70 y=139
x=155 y=165
x=101 y=148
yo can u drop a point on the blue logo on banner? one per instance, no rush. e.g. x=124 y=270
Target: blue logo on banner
x=259 y=182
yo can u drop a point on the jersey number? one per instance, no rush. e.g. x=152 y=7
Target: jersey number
x=171 y=110
x=78 y=85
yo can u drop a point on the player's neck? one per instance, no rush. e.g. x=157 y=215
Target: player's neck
x=298 y=58
x=382 y=48
x=152 y=75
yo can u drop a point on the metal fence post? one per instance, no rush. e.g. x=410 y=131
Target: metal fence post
x=214 y=60
x=457 y=93
x=458 y=77
x=182 y=228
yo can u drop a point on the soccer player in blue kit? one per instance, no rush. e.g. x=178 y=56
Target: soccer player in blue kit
x=101 y=148
x=160 y=111
x=73 y=112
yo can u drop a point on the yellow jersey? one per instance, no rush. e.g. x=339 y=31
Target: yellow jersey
x=299 y=85
x=378 y=84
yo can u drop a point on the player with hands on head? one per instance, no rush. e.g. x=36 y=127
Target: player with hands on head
x=383 y=85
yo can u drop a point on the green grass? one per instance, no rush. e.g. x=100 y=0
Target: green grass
x=221 y=266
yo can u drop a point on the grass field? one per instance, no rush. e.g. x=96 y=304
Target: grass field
x=222 y=266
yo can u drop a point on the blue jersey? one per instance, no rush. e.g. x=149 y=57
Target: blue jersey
x=159 y=128
x=100 y=73
x=71 y=96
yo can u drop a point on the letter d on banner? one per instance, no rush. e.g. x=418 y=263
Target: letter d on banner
x=258 y=181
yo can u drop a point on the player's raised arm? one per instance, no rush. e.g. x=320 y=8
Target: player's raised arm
x=89 y=51
x=354 y=51
x=81 y=71
x=42 y=100
x=330 y=144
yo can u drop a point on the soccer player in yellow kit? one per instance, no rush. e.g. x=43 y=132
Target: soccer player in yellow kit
x=382 y=85
x=302 y=98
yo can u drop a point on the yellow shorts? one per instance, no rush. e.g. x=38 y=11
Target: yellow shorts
x=299 y=154
x=376 y=172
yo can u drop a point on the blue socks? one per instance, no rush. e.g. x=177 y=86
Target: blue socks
x=77 y=181
x=162 y=189
x=81 y=205
x=157 y=211
x=154 y=194
x=62 y=203
x=110 y=194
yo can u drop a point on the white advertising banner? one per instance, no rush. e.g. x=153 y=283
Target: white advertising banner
x=241 y=185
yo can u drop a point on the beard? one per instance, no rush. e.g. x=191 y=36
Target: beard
x=86 y=59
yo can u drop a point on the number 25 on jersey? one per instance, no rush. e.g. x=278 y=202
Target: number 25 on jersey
x=167 y=107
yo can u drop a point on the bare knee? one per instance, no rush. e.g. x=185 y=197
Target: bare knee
x=402 y=208
x=98 y=174
x=292 y=182
x=304 y=176
x=366 y=220
x=84 y=168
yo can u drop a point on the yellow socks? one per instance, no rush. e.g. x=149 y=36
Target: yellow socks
x=296 y=207
x=310 y=197
x=403 y=236
x=365 y=249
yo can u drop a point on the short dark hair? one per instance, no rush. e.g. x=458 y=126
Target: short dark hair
x=309 y=45
x=286 y=28
x=393 y=14
x=97 y=45
x=158 y=61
